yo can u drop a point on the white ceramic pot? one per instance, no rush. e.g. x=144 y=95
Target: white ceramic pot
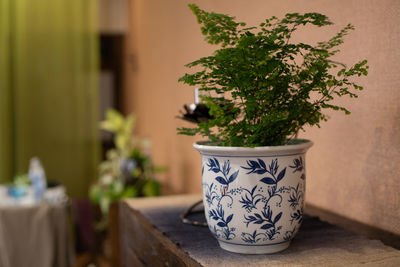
x=254 y=197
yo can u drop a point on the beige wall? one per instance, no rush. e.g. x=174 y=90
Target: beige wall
x=354 y=166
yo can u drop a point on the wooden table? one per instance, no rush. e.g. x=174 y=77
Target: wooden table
x=153 y=235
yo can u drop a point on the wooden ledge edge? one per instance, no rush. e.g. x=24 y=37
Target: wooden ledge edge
x=181 y=258
x=387 y=238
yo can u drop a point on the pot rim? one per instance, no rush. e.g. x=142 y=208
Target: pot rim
x=296 y=146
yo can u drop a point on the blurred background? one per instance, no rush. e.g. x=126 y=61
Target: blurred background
x=64 y=63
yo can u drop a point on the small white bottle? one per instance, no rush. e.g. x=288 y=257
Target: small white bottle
x=37 y=176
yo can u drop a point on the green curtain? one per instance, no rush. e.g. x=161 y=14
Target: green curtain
x=6 y=164
x=49 y=91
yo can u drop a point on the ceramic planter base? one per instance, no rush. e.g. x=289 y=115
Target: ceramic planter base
x=252 y=249
x=253 y=197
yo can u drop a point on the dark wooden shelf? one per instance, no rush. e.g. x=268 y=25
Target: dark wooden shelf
x=153 y=235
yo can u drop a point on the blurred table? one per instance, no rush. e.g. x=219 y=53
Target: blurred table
x=36 y=235
x=152 y=235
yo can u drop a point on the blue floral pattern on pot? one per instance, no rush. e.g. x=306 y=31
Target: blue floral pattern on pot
x=254 y=201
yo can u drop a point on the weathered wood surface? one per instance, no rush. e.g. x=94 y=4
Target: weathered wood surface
x=153 y=235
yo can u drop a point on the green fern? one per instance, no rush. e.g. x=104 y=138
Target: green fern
x=271 y=88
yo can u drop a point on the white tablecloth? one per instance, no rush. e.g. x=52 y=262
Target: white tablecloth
x=36 y=235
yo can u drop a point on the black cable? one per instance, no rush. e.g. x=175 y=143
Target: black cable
x=191 y=211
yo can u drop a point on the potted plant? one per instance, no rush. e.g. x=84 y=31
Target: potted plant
x=260 y=89
x=127 y=171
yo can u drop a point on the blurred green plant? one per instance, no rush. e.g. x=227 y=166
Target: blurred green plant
x=127 y=171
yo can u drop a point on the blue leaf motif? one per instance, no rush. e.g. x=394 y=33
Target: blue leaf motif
x=267 y=214
x=255 y=167
x=213 y=215
x=267 y=180
x=221 y=224
x=233 y=177
x=221 y=212
x=281 y=175
x=254 y=189
x=216 y=170
x=297 y=165
x=213 y=165
x=226 y=168
x=259 y=219
x=229 y=218
x=217 y=163
x=262 y=163
x=221 y=180
x=267 y=226
x=272 y=168
x=277 y=217
x=254 y=164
